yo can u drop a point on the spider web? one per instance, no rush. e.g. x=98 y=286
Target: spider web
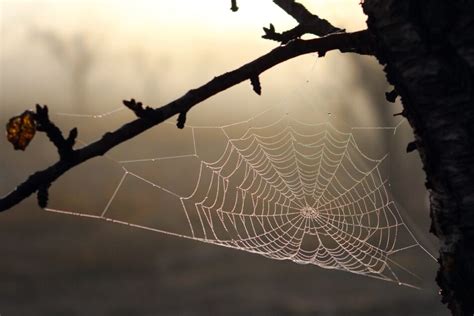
x=286 y=190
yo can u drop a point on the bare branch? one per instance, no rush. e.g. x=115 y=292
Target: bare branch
x=345 y=42
x=308 y=22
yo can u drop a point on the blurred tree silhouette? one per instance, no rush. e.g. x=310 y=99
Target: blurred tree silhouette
x=427 y=48
x=148 y=70
x=76 y=55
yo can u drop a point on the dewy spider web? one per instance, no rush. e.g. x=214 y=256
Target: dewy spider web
x=288 y=190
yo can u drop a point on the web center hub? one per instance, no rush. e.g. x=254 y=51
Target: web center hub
x=309 y=212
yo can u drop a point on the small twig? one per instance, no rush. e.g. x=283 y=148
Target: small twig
x=181 y=119
x=303 y=16
x=402 y=113
x=391 y=96
x=137 y=108
x=308 y=23
x=44 y=124
x=284 y=37
x=43 y=195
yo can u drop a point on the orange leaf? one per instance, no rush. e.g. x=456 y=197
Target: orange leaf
x=21 y=130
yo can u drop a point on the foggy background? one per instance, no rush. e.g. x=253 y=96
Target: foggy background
x=83 y=58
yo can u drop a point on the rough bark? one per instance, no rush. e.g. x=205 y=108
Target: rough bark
x=427 y=48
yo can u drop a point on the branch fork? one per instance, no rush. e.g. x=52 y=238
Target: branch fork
x=44 y=124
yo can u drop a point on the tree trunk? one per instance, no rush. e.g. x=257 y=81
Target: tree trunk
x=427 y=48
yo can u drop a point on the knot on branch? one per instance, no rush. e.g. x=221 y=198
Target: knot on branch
x=412 y=146
x=271 y=34
x=44 y=124
x=137 y=108
x=255 y=82
x=181 y=119
x=391 y=96
x=43 y=195
x=322 y=52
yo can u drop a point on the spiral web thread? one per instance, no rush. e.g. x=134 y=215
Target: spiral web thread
x=289 y=191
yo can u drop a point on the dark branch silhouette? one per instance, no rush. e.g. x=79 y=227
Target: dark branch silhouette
x=308 y=23
x=234 y=7
x=345 y=42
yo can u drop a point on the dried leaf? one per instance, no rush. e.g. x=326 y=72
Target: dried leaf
x=21 y=129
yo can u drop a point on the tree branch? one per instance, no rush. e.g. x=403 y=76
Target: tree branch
x=308 y=23
x=360 y=41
